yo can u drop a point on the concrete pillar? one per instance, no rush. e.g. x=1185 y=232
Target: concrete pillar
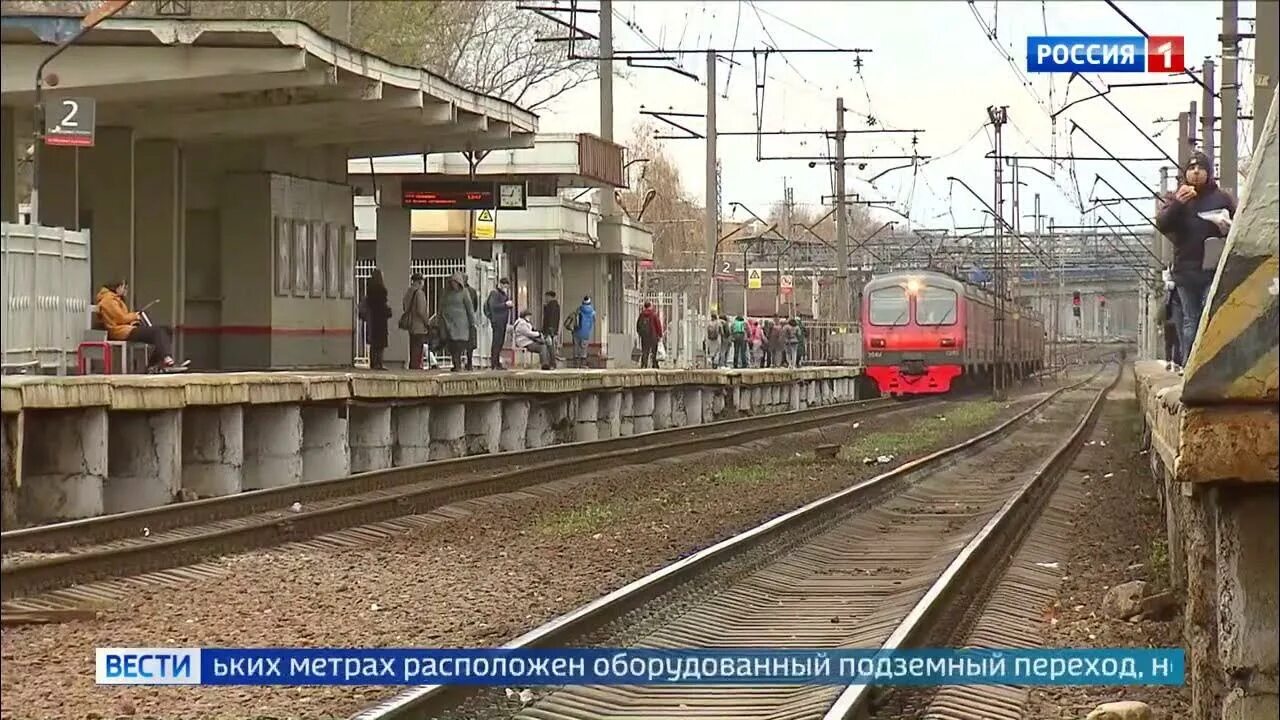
x=325 y=430
x=626 y=414
x=60 y=198
x=393 y=253
x=679 y=418
x=272 y=446
x=643 y=403
x=609 y=415
x=411 y=428
x=693 y=406
x=369 y=430
x=1247 y=591
x=662 y=409
x=448 y=431
x=212 y=450
x=157 y=227
x=10 y=444
x=9 y=167
x=795 y=396
x=484 y=426
x=709 y=397
x=515 y=425
x=585 y=414
x=144 y=460
x=1201 y=617
x=64 y=464
x=538 y=425
x=107 y=200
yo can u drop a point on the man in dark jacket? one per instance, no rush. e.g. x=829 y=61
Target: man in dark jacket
x=472 y=340
x=498 y=309
x=649 y=328
x=1193 y=220
x=551 y=321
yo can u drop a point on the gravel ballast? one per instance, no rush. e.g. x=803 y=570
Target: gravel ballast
x=477 y=580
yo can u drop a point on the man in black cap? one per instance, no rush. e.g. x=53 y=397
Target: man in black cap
x=1196 y=219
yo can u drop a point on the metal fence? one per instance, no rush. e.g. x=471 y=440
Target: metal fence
x=47 y=287
x=832 y=343
x=436 y=273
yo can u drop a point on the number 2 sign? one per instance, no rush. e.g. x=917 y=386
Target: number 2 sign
x=69 y=122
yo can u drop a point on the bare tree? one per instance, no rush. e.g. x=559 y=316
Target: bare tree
x=675 y=219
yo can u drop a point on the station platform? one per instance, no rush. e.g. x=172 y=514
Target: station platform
x=77 y=447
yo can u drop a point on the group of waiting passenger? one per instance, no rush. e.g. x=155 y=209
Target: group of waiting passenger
x=754 y=343
x=451 y=328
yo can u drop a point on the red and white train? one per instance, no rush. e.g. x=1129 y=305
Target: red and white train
x=922 y=330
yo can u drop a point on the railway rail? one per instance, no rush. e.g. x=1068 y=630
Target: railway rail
x=880 y=564
x=61 y=555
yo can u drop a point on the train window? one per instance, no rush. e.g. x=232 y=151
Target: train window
x=888 y=306
x=935 y=306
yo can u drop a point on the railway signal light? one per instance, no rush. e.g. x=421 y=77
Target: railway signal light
x=1075 y=298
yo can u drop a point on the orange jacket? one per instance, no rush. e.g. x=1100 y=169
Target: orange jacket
x=115 y=315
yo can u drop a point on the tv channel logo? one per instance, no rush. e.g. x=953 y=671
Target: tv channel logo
x=1103 y=54
x=147 y=666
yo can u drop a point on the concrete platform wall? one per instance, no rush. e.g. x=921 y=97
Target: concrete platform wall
x=1222 y=554
x=82 y=447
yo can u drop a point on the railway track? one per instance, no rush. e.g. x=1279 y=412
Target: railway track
x=58 y=556
x=881 y=564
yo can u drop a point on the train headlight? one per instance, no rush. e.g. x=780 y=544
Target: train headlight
x=913 y=286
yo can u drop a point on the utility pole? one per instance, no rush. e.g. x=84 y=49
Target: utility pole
x=340 y=20
x=1209 y=121
x=998 y=116
x=1230 y=165
x=713 y=198
x=1015 y=277
x=1266 y=64
x=844 y=299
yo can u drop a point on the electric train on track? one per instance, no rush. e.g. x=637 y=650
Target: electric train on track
x=924 y=331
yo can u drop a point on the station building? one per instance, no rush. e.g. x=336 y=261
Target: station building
x=216 y=182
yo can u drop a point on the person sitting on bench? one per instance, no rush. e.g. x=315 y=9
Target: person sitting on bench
x=125 y=325
x=533 y=341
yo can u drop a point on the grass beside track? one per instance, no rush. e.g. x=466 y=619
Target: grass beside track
x=743 y=473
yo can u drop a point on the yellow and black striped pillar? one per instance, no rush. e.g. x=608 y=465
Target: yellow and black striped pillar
x=1236 y=358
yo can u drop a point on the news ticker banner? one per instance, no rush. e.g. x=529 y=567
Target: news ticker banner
x=580 y=666
x=1105 y=54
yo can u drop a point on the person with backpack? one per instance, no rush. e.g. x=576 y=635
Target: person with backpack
x=415 y=318
x=738 y=331
x=497 y=308
x=714 y=340
x=791 y=341
x=726 y=347
x=649 y=329
x=580 y=323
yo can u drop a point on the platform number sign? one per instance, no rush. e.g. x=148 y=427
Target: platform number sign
x=69 y=122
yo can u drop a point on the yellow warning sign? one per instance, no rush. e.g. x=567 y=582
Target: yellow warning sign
x=754 y=280
x=486 y=225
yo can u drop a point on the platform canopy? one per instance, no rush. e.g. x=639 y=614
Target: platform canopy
x=206 y=79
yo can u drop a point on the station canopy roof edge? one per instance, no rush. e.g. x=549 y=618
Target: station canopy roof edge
x=224 y=79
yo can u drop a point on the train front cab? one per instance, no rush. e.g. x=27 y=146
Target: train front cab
x=913 y=334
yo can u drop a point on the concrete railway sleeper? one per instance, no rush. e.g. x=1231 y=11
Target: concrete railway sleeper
x=872 y=565
x=135 y=543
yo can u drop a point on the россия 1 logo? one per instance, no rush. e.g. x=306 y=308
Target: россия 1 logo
x=1084 y=53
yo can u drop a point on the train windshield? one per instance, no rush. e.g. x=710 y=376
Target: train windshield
x=888 y=306
x=935 y=306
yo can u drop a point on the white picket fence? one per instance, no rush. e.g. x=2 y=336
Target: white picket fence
x=46 y=287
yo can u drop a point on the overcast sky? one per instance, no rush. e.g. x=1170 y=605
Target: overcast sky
x=931 y=68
